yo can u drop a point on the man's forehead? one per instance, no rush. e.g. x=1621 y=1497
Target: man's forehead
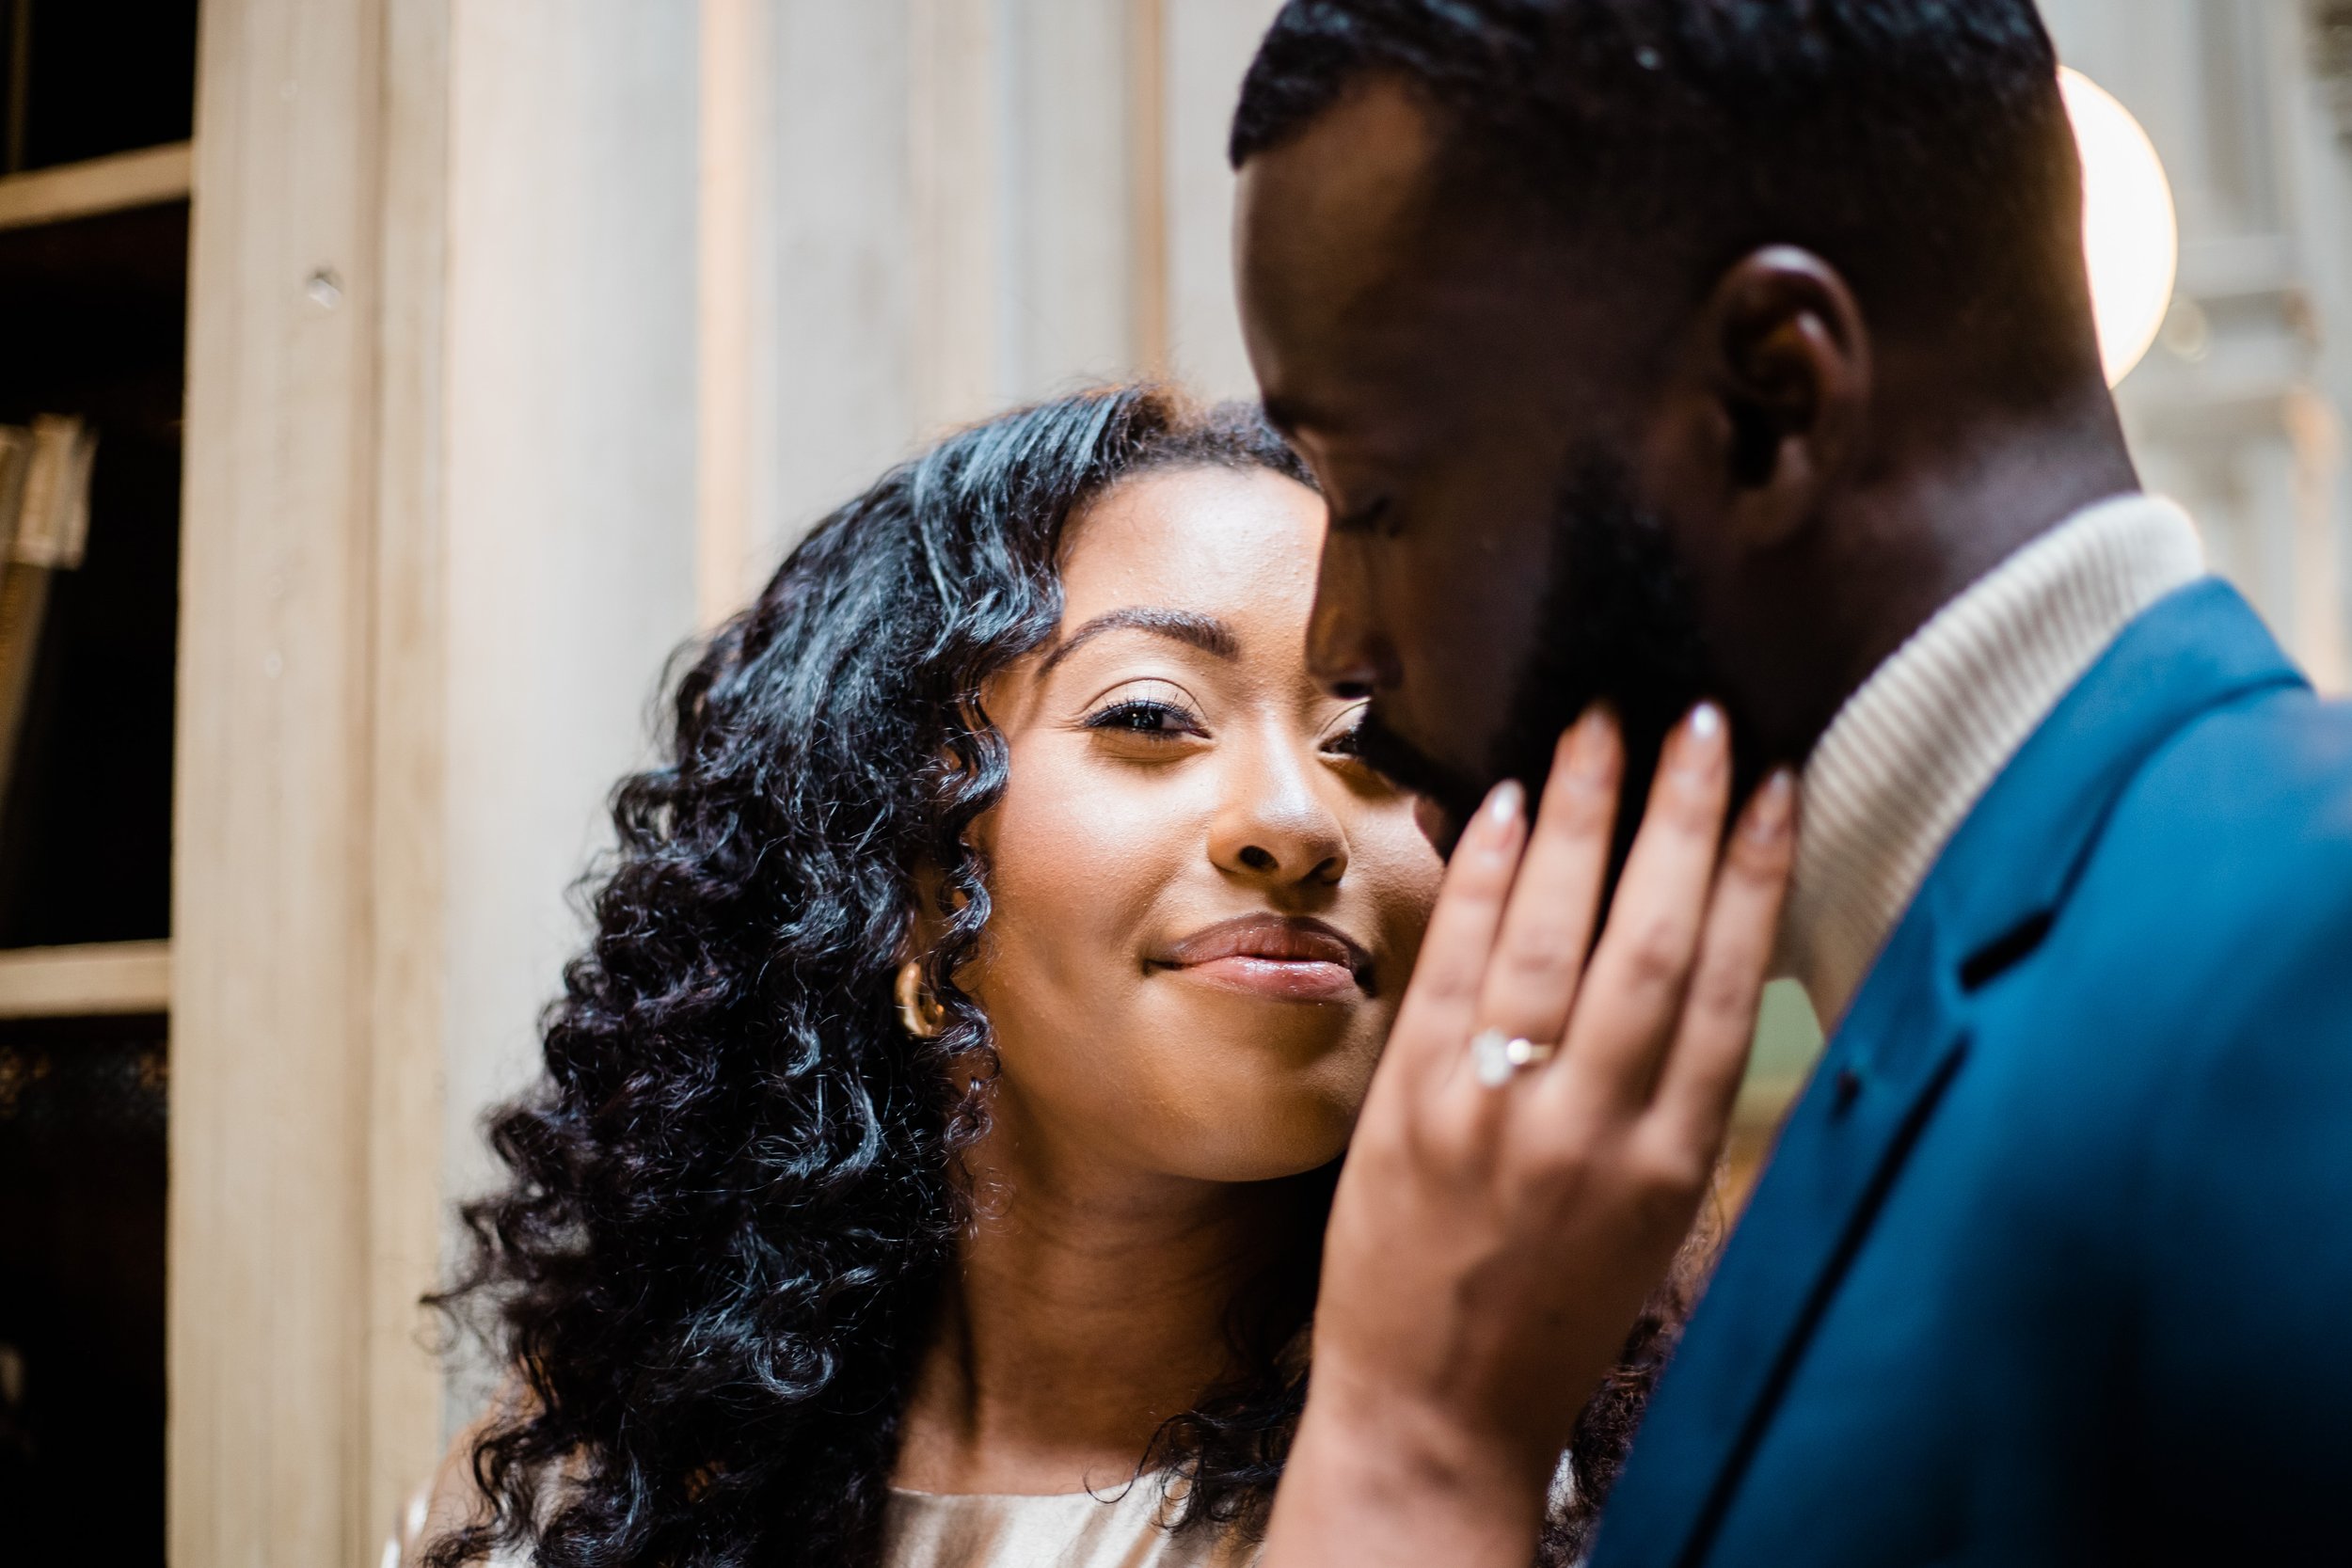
x=1337 y=215
x=1382 y=305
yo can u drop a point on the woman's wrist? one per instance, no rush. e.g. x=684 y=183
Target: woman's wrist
x=1433 y=1439
x=1379 y=1476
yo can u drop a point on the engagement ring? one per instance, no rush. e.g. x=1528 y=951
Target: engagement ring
x=1497 y=1055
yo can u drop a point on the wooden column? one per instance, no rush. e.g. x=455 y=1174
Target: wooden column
x=403 y=1417
x=305 y=1009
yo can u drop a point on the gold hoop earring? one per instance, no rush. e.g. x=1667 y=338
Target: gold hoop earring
x=919 y=1012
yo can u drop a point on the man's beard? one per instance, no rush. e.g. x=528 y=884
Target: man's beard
x=1615 y=626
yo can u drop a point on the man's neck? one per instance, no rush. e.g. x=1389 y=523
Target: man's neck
x=1911 y=752
x=1893 y=552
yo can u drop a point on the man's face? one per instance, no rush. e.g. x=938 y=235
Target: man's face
x=1471 y=412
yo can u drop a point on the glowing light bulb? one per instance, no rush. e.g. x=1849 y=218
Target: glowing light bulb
x=2131 y=232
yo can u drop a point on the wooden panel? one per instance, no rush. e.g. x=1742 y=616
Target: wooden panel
x=403 y=1427
x=81 y=982
x=82 y=190
x=274 y=988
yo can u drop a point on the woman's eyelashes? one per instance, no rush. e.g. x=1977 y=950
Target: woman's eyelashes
x=1140 y=717
x=1165 y=714
x=1159 y=713
x=1342 y=739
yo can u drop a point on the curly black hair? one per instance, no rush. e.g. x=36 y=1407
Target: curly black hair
x=734 y=1191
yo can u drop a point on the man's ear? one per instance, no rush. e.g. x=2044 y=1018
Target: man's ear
x=1777 y=389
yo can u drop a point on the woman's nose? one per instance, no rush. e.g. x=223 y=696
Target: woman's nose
x=1275 y=827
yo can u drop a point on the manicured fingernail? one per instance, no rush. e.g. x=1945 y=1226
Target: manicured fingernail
x=1776 y=807
x=1591 y=759
x=1701 y=746
x=1504 y=805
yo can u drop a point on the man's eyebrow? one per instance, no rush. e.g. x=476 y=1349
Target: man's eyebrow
x=1205 y=632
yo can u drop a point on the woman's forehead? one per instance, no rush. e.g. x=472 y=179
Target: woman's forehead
x=1241 y=545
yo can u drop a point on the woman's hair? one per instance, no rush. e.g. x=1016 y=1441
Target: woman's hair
x=734 y=1191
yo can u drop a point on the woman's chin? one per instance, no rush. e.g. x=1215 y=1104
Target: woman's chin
x=1202 y=1082
x=1259 y=1120
x=1263 y=1148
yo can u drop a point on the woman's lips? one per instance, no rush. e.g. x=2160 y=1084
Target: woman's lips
x=1285 y=979
x=1273 y=956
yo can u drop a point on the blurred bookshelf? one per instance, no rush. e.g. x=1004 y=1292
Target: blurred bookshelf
x=96 y=117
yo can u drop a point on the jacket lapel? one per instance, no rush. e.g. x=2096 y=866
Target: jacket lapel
x=1996 y=890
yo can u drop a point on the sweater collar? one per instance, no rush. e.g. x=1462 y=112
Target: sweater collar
x=1919 y=743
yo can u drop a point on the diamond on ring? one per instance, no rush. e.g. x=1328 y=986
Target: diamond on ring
x=1497 y=1056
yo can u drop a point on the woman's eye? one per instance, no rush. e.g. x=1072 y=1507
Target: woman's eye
x=1341 y=742
x=1146 y=717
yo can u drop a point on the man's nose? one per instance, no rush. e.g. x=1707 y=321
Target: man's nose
x=1344 y=650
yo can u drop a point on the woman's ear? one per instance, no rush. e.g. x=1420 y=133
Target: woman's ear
x=920 y=1013
x=1776 y=388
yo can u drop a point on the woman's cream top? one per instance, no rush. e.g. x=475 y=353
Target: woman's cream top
x=1116 y=1528
x=924 y=1529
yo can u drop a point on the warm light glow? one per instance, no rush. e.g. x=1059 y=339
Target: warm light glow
x=2131 y=234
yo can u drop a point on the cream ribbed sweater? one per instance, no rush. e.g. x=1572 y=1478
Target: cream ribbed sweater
x=1924 y=737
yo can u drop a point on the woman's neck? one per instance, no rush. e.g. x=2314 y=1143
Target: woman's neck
x=1089 y=1304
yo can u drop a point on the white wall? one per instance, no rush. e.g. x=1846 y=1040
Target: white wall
x=568 y=416
x=930 y=209
x=1209 y=44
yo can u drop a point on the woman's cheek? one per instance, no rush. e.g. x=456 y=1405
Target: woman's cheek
x=1079 y=855
x=1402 y=873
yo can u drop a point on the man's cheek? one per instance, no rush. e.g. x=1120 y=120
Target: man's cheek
x=1436 y=823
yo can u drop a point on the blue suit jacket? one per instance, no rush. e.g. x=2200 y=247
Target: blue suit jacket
x=2053 y=1263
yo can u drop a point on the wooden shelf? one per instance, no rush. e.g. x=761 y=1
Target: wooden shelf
x=141 y=179
x=110 y=977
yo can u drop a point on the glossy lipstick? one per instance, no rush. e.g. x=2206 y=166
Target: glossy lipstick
x=1282 y=958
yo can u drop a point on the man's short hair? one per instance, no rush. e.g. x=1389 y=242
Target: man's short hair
x=1919 y=146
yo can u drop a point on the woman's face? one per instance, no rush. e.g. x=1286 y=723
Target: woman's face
x=1204 y=908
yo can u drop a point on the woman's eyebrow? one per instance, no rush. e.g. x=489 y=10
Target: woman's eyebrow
x=1205 y=632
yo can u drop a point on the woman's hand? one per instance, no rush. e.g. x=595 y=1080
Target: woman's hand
x=1492 y=1243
